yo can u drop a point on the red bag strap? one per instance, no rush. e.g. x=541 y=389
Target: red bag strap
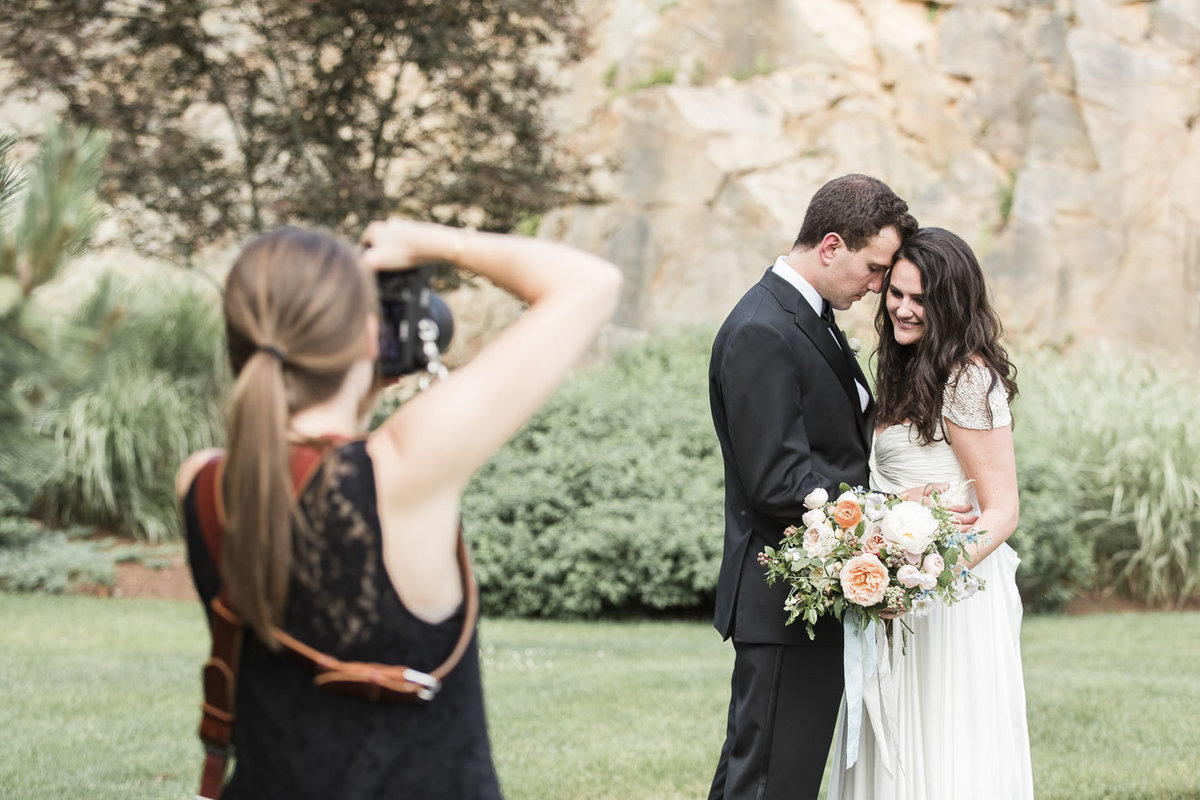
x=219 y=674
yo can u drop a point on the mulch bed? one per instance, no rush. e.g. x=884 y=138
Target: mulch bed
x=170 y=582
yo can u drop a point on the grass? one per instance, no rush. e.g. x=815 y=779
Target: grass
x=102 y=695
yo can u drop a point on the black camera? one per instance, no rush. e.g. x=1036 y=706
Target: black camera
x=415 y=325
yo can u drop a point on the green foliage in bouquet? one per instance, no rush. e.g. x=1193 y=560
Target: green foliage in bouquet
x=611 y=498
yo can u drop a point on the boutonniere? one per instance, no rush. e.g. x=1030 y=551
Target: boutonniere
x=855 y=345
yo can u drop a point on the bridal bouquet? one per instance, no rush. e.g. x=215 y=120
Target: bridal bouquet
x=869 y=552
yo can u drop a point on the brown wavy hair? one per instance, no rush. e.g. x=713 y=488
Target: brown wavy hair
x=960 y=327
x=296 y=308
x=855 y=207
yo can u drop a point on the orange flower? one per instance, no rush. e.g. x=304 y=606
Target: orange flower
x=864 y=579
x=847 y=513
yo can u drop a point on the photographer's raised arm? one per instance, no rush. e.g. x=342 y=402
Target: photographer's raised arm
x=435 y=442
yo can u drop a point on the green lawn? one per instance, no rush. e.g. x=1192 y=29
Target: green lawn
x=102 y=695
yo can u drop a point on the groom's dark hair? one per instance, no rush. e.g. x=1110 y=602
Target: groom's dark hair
x=855 y=207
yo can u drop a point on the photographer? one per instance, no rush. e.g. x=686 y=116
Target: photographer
x=354 y=552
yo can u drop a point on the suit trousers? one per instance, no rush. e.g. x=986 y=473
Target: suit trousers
x=783 y=708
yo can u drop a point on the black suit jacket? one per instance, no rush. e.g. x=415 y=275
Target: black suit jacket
x=789 y=420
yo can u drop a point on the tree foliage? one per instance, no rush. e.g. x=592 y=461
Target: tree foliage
x=48 y=209
x=228 y=116
x=47 y=213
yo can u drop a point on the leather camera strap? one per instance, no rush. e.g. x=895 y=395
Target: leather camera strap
x=383 y=683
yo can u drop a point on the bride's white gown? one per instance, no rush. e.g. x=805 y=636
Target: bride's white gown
x=960 y=715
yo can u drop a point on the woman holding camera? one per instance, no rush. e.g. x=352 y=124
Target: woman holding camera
x=359 y=559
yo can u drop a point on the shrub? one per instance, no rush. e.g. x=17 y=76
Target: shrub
x=1056 y=554
x=611 y=497
x=47 y=212
x=152 y=395
x=1115 y=459
x=32 y=558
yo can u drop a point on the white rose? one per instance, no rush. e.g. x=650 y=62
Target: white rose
x=816 y=498
x=909 y=526
x=855 y=344
x=909 y=576
x=819 y=541
x=848 y=495
x=926 y=581
x=933 y=564
x=814 y=517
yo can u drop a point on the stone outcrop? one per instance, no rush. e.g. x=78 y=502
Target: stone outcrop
x=1058 y=137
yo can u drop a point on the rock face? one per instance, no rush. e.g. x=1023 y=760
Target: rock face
x=1058 y=137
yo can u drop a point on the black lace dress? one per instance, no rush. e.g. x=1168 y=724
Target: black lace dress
x=294 y=740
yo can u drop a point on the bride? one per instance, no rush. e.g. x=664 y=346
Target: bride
x=944 y=384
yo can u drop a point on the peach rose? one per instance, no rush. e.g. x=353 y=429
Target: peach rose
x=909 y=576
x=873 y=542
x=847 y=513
x=864 y=579
x=933 y=564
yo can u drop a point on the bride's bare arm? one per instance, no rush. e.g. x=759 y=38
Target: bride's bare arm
x=988 y=460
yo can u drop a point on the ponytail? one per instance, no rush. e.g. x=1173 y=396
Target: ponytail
x=256 y=556
x=296 y=308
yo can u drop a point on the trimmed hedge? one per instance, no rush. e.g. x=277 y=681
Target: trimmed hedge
x=611 y=498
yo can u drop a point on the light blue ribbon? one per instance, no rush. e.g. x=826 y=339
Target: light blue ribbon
x=858 y=665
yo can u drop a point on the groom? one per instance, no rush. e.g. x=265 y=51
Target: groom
x=793 y=414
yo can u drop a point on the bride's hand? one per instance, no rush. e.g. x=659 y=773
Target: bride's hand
x=962 y=518
x=924 y=494
x=962 y=515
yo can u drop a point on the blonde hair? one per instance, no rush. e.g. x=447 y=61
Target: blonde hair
x=296 y=308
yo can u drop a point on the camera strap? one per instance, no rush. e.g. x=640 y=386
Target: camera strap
x=427 y=333
x=381 y=683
